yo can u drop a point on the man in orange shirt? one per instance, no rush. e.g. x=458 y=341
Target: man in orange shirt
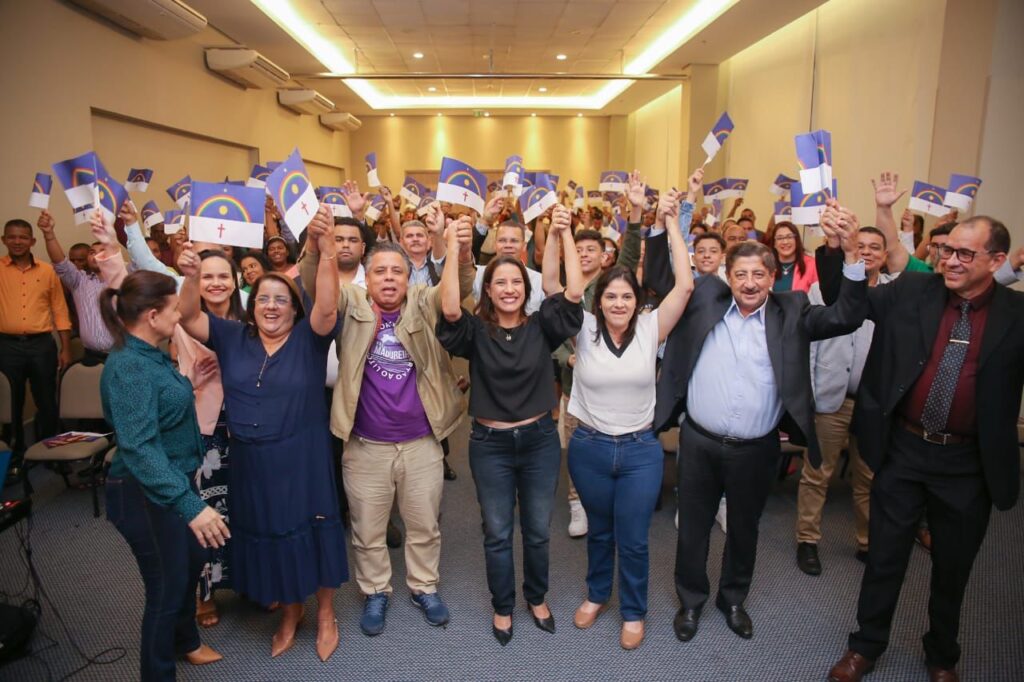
x=32 y=306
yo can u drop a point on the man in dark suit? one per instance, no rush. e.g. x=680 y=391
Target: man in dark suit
x=936 y=419
x=738 y=364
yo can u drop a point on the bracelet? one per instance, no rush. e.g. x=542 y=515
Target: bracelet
x=330 y=257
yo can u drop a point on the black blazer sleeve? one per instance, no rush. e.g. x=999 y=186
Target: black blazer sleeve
x=478 y=243
x=658 y=275
x=830 y=271
x=842 y=317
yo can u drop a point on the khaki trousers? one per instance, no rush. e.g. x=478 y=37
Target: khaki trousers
x=833 y=434
x=374 y=473
x=566 y=427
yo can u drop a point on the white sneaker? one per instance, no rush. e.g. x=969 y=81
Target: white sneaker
x=720 y=515
x=577 y=520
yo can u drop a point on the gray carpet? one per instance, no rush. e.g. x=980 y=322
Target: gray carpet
x=800 y=622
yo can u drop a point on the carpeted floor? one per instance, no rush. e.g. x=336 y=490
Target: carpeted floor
x=800 y=622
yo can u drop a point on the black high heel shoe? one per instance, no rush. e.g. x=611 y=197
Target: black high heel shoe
x=503 y=636
x=545 y=624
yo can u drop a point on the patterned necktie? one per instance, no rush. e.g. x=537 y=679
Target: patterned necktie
x=940 y=395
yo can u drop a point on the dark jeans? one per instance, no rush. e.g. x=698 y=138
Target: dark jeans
x=745 y=472
x=945 y=482
x=33 y=359
x=170 y=561
x=523 y=461
x=619 y=480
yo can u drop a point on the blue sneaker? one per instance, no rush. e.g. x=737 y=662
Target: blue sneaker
x=434 y=610
x=374 y=609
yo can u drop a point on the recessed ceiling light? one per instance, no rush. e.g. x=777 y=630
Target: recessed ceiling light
x=542 y=89
x=487 y=114
x=579 y=115
x=417 y=55
x=561 y=57
x=439 y=113
x=392 y=114
x=431 y=89
x=533 y=115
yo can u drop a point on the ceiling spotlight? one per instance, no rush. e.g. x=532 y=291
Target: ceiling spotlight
x=533 y=115
x=542 y=89
x=580 y=115
x=487 y=114
x=417 y=55
x=392 y=114
x=431 y=89
x=561 y=57
x=439 y=113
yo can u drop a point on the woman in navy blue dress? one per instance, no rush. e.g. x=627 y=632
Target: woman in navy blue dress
x=287 y=539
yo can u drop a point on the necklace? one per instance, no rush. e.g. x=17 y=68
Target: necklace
x=786 y=267
x=259 y=378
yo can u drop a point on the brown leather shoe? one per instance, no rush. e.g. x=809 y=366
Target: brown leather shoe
x=630 y=639
x=584 y=619
x=850 y=668
x=937 y=674
x=203 y=656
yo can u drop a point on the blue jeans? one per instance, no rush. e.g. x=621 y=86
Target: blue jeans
x=523 y=461
x=619 y=480
x=170 y=560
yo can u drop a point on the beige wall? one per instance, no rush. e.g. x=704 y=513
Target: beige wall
x=74 y=83
x=573 y=148
x=658 y=139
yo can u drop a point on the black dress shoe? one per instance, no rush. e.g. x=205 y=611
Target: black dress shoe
x=807 y=558
x=685 y=623
x=449 y=473
x=738 y=621
x=545 y=624
x=503 y=636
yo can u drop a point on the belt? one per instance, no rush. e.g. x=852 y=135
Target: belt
x=935 y=438
x=723 y=440
x=23 y=337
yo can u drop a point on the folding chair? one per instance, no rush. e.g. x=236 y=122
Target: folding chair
x=6 y=407
x=79 y=398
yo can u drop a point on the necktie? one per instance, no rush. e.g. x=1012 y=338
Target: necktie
x=940 y=395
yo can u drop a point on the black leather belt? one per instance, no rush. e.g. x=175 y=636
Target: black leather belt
x=724 y=440
x=938 y=438
x=23 y=337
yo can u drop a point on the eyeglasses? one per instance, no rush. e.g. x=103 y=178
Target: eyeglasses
x=278 y=300
x=962 y=255
x=784 y=237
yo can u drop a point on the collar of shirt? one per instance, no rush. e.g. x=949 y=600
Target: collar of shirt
x=7 y=260
x=141 y=347
x=759 y=312
x=978 y=302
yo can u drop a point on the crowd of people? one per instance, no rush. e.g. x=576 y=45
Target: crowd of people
x=264 y=400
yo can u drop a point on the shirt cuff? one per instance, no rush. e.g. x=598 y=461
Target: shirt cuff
x=854 y=272
x=655 y=231
x=1006 y=275
x=481 y=228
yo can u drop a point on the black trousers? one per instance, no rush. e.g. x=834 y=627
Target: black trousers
x=945 y=483
x=745 y=473
x=32 y=359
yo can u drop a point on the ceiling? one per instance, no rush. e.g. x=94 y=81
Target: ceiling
x=485 y=37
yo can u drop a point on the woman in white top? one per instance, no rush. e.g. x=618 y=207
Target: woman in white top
x=615 y=459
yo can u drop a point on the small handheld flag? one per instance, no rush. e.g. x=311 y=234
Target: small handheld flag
x=174 y=220
x=293 y=193
x=962 y=190
x=41 y=186
x=806 y=209
x=492 y=187
x=179 y=191
x=78 y=175
x=151 y=215
x=726 y=188
x=258 y=177
x=412 y=190
x=613 y=181
x=781 y=185
x=462 y=185
x=138 y=179
x=226 y=214
x=112 y=195
x=513 y=172
x=783 y=211
x=594 y=198
x=376 y=208
x=717 y=137
x=84 y=214
x=371 y=170
x=930 y=199
x=578 y=199
x=535 y=200
x=427 y=198
x=571 y=185
x=336 y=199
x=814 y=151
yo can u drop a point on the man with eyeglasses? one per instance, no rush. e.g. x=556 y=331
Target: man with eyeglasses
x=944 y=344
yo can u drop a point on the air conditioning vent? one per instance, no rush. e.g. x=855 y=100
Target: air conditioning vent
x=305 y=101
x=155 y=19
x=340 y=121
x=246 y=67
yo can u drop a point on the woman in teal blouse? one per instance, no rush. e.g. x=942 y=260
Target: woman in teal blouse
x=150 y=492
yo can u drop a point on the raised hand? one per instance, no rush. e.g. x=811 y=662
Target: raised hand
x=356 y=201
x=434 y=218
x=188 y=261
x=696 y=183
x=128 y=213
x=561 y=221
x=886 y=189
x=495 y=205
x=385 y=192
x=102 y=231
x=635 y=189
x=46 y=223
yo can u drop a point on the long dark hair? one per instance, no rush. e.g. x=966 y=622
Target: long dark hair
x=235 y=309
x=801 y=262
x=293 y=293
x=604 y=279
x=485 y=308
x=140 y=291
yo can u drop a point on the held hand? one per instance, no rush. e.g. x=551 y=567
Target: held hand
x=434 y=218
x=46 y=223
x=495 y=205
x=128 y=213
x=886 y=192
x=209 y=528
x=696 y=182
x=636 y=189
x=561 y=220
x=385 y=192
x=101 y=231
x=322 y=224
x=188 y=261
x=203 y=371
x=464 y=227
